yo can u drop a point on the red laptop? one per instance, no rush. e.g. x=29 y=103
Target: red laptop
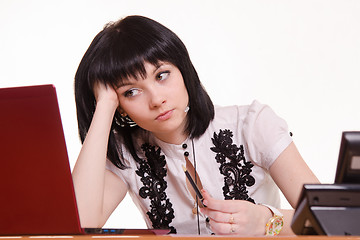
x=37 y=195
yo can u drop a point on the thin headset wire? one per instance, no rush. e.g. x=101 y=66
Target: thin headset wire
x=196 y=197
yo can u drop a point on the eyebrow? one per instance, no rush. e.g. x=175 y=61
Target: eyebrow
x=126 y=81
x=157 y=66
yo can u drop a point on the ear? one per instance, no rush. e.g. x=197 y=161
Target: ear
x=121 y=111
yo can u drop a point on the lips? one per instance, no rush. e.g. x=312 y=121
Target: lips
x=165 y=115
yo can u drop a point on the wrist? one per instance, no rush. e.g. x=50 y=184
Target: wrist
x=275 y=222
x=107 y=104
x=104 y=112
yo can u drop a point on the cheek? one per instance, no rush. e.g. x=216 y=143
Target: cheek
x=185 y=95
x=125 y=107
x=180 y=90
x=133 y=111
x=137 y=110
x=129 y=104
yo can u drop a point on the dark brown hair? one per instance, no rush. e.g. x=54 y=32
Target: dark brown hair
x=120 y=51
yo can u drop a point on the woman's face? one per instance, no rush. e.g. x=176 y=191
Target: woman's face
x=157 y=102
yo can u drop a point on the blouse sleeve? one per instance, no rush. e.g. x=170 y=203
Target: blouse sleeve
x=266 y=134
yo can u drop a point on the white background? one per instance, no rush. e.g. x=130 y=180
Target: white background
x=300 y=57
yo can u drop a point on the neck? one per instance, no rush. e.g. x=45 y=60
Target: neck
x=172 y=140
x=176 y=138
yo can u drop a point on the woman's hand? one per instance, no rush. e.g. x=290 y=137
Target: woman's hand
x=237 y=217
x=106 y=94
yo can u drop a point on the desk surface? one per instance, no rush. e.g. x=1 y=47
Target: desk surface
x=171 y=237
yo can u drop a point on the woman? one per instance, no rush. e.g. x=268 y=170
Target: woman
x=143 y=115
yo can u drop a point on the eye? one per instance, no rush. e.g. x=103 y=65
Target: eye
x=163 y=75
x=132 y=92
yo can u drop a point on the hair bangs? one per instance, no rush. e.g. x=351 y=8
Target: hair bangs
x=123 y=56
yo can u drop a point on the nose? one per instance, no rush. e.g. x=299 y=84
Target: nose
x=156 y=97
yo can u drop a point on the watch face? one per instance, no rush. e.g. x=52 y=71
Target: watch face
x=274 y=226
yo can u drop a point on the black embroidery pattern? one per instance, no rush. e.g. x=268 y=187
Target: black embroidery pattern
x=152 y=173
x=233 y=166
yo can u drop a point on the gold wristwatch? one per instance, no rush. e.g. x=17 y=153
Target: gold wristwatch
x=276 y=222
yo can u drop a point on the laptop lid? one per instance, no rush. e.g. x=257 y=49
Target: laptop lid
x=37 y=195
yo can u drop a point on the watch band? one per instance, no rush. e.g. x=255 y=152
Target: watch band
x=274 y=210
x=276 y=222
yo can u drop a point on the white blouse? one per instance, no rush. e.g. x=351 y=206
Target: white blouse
x=253 y=136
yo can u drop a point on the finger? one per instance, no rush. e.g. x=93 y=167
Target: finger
x=207 y=197
x=222 y=228
x=227 y=206
x=229 y=229
x=205 y=194
x=218 y=216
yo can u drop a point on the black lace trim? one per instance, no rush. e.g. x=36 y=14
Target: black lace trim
x=233 y=166
x=152 y=172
